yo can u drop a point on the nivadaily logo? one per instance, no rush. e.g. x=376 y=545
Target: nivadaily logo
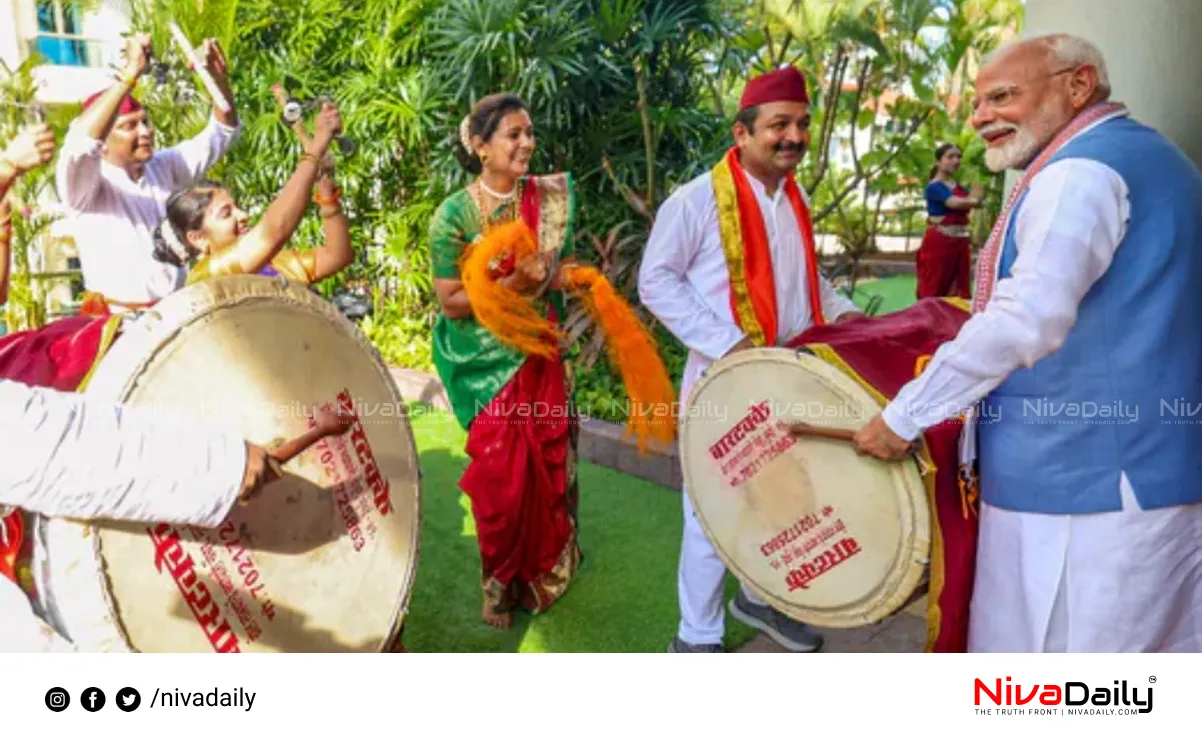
x=1069 y=698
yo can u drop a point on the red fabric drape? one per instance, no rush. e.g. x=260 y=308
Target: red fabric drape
x=887 y=352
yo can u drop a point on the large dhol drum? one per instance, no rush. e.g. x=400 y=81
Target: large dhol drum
x=824 y=535
x=322 y=560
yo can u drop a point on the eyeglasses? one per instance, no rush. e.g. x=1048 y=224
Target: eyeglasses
x=1003 y=96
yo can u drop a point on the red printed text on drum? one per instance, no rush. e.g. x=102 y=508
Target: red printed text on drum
x=803 y=575
x=169 y=551
x=371 y=471
x=241 y=582
x=352 y=485
x=756 y=453
x=782 y=553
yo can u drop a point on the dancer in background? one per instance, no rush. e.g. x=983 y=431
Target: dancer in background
x=944 y=260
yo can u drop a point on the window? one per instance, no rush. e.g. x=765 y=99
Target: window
x=59 y=26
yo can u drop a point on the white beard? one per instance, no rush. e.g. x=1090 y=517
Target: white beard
x=1028 y=140
x=1015 y=154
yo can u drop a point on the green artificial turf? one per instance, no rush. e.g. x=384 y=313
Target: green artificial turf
x=622 y=600
x=898 y=292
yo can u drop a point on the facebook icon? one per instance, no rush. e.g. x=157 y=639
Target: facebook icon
x=92 y=699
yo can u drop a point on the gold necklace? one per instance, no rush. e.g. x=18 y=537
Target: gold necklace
x=512 y=204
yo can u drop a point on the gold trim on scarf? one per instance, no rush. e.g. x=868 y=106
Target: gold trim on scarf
x=730 y=228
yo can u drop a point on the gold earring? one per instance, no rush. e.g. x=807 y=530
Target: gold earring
x=483 y=157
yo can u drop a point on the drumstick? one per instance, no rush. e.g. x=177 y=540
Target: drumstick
x=198 y=66
x=327 y=425
x=835 y=434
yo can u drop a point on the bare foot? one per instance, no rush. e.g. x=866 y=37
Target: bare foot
x=499 y=620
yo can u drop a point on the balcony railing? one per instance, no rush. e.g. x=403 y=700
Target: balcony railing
x=69 y=50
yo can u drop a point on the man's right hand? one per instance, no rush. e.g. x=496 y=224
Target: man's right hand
x=261 y=469
x=744 y=345
x=137 y=55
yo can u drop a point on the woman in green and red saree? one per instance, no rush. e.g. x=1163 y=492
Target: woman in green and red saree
x=516 y=408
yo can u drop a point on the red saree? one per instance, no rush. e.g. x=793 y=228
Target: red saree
x=521 y=482
x=944 y=266
x=883 y=354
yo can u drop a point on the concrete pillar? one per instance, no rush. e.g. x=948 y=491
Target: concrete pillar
x=1153 y=50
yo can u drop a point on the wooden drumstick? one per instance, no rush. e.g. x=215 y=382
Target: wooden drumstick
x=328 y=424
x=834 y=434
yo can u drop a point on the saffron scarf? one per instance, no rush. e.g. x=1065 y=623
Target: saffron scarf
x=748 y=256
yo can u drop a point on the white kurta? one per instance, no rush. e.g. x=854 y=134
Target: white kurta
x=112 y=217
x=685 y=283
x=1047 y=582
x=66 y=456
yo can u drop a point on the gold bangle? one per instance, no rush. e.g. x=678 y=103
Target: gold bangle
x=309 y=158
x=330 y=213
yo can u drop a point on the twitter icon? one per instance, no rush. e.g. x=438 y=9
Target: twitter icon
x=128 y=699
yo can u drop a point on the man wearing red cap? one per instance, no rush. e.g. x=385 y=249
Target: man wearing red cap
x=115 y=186
x=731 y=265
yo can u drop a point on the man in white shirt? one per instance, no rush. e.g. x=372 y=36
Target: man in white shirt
x=1083 y=347
x=777 y=293
x=68 y=457
x=115 y=186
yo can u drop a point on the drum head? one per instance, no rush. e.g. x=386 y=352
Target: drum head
x=323 y=560
x=822 y=534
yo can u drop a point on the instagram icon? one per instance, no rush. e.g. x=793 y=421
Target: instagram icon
x=57 y=699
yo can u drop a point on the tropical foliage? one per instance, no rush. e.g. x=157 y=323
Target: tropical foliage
x=634 y=97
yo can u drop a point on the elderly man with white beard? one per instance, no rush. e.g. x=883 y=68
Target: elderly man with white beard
x=1087 y=305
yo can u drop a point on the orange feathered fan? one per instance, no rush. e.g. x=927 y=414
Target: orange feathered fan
x=517 y=322
x=633 y=351
x=509 y=316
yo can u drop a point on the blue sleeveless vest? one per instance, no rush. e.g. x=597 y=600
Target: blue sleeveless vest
x=1124 y=392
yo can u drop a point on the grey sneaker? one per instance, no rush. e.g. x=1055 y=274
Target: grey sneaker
x=788 y=633
x=680 y=646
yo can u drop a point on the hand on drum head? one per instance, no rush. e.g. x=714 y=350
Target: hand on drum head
x=877 y=440
x=261 y=469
